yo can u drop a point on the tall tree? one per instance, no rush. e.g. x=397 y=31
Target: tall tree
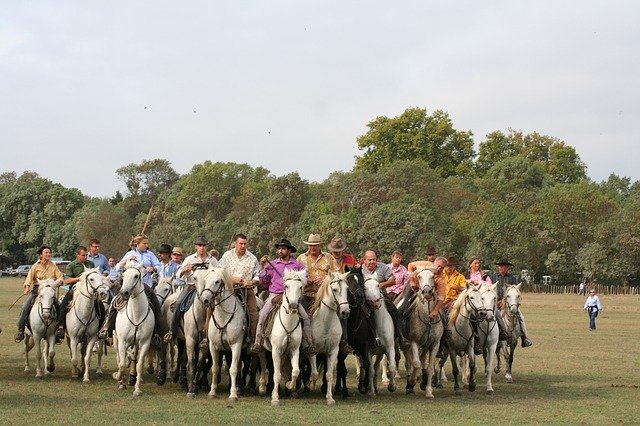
x=416 y=135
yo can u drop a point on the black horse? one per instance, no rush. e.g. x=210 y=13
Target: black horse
x=360 y=334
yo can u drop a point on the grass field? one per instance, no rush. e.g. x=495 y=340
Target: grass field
x=570 y=375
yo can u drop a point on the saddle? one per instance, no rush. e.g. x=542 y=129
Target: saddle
x=186 y=304
x=268 y=324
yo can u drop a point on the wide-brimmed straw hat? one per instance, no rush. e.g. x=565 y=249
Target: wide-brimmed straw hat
x=337 y=244
x=177 y=250
x=285 y=243
x=313 y=240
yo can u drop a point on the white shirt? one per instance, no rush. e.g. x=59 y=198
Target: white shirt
x=246 y=267
x=194 y=259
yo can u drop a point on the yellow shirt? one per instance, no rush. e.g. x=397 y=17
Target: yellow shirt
x=317 y=269
x=38 y=271
x=454 y=279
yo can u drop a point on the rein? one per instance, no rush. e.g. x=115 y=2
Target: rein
x=335 y=299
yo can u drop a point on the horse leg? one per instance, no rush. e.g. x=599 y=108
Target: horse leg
x=87 y=358
x=101 y=349
x=314 y=371
x=151 y=368
x=373 y=380
x=277 y=376
x=509 y=363
x=385 y=372
x=295 y=370
x=142 y=353
x=392 y=368
x=498 y=356
x=28 y=345
x=262 y=381
x=74 y=356
x=236 y=349
x=123 y=365
x=330 y=368
x=488 y=363
x=38 y=348
x=428 y=361
x=190 y=350
x=456 y=374
x=472 y=371
x=51 y=353
x=215 y=369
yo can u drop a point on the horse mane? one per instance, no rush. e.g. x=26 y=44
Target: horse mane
x=226 y=278
x=293 y=274
x=457 y=305
x=322 y=290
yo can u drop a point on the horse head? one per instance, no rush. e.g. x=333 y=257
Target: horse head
x=372 y=290
x=475 y=302
x=339 y=293
x=489 y=300
x=426 y=281
x=164 y=288
x=131 y=277
x=95 y=284
x=294 y=282
x=47 y=296
x=512 y=298
x=215 y=281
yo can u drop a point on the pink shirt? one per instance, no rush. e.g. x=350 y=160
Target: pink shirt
x=476 y=277
x=402 y=276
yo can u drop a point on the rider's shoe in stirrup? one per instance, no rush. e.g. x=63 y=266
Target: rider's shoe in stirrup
x=345 y=348
x=156 y=341
x=60 y=333
x=256 y=348
x=102 y=334
x=311 y=350
x=19 y=337
x=168 y=337
x=377 y=343
x=108 y=341
x=204 y=343
x=526 y=342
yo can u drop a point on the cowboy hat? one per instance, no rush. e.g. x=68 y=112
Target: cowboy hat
x=285 y=243
x=337 y=244
x=201 y=240
x=503 y=261
x=313 y=240
x=164 y=248
x=177 y=250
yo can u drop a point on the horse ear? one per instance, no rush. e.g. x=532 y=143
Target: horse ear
x=518 y=286
x=494 y=287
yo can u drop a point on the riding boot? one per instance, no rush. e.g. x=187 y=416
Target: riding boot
x=252 y=313
x=525 y=340
x=307 y=333
x=344 y=347
x=178 y=313
x=24 y=315
x=155 y=307
x=110 y=323
x=476 y=339
x=502 y=327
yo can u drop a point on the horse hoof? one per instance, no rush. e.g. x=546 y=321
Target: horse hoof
x=233 y=399
x=191 y=395
x=85 y=381
x=115 y=375
x=489 y=391
x=150 y=370
x=472 y=387
x=39 y=376
x=409 y=391
x=51 y=368
x=275 y=403
x=294 y=395
x=458 y=392
x=392 y=387
x=509 y=380
x=331 y=402
x=27 y=370
x=132 y=380
x=429 y=396
x=137 y=392
x=99 y=371
x=122 y=387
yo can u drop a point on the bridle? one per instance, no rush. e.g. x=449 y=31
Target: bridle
x=376 y=304
x=286 y=296
x=335 y=298
x=92 y=292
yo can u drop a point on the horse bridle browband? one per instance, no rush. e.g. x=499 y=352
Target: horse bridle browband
x=335 y=298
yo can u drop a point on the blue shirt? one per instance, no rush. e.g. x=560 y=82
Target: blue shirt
x=148 y=259
x=100 y=261
x=169 y=270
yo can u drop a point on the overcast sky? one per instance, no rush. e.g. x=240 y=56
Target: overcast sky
x=88 y=87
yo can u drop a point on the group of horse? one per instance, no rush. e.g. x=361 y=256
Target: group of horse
x=354 y=297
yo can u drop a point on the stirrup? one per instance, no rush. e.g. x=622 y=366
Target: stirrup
x=312 y=350
x=204 y=343
x=256 y=348
x=156 y=341
x=526 y=343
x=102 y=334
x=19 y=337
x=168 y=337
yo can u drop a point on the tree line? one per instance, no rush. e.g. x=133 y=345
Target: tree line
x=418 y=182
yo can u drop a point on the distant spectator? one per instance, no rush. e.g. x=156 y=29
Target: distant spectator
x=592 y=306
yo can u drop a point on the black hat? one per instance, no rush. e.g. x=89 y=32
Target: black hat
x=504 y=261
x=285 y=243
x=201 y=240
x=431 y=250
x=164 y=248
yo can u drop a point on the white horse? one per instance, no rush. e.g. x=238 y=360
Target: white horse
x=226 y=327
x=510 y=309
x=469 y=304
x=331 y=304
x=488 y=332
x=165 y=355
x=385 y=331
x=134 y=325
x=286 y=334
x=43 y=321
x=83 y=320
x=193 y=322
x=423 y=333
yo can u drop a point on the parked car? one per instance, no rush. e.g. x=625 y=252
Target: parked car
x=21 y=270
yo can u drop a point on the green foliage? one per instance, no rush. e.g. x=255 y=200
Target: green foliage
x=416 y=135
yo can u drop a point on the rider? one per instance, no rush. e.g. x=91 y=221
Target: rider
x=244 y=268
x=337 y=248
x=455 y=283
x=201 y=259
x=271 y=275
x=168 y=267
x=41 y=270
x=385 y=279
x=140 y=253
x=72 y=273
x=504 y=278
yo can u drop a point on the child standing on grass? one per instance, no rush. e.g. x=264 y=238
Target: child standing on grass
x=592 y=306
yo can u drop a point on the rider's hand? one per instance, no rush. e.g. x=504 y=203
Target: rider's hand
x=26 y=289
x=263 y=261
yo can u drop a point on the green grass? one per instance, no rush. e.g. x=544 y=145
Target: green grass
x=570 y=375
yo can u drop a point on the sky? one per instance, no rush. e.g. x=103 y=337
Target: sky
x=89 y=87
